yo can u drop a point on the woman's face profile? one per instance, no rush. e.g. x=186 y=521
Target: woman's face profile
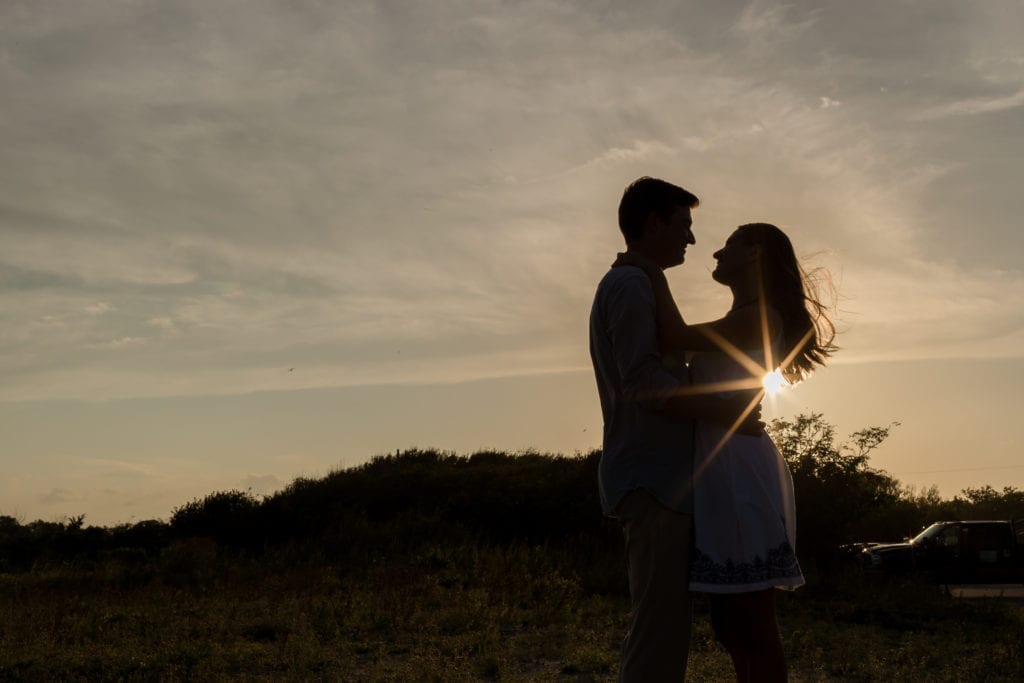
x=733 y=259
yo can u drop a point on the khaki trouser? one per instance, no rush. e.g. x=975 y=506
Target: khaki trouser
x=658 y=547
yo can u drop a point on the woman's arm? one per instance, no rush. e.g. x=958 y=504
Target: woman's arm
x=748 y=327
x=740 y=412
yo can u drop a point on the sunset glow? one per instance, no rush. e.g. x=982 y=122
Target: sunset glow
x=317 y=232
x=772 y=382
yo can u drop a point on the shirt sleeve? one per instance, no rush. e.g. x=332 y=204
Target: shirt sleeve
x=632 y=331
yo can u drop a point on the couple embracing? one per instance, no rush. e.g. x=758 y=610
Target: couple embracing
x=704 y=497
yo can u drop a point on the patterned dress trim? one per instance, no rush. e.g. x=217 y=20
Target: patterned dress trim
x=781 y=564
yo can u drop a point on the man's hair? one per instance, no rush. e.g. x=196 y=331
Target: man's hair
x=646 y=195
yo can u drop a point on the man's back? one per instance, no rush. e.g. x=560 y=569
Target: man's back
x=642 y=447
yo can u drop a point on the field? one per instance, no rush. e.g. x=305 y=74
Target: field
x=426 y=566
x=449 y=614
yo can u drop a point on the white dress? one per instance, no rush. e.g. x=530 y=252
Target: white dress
x=743 y=508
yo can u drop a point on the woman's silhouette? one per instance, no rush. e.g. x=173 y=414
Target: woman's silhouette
x=744 y=514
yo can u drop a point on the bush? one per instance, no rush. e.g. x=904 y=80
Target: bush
x=228 y=517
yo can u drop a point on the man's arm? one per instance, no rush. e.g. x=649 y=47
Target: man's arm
x=740 y=412
x=629 y=321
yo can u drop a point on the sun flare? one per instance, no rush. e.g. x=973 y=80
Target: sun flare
x=772 y=382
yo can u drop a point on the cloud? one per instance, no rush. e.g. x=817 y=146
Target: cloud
x=973 y=106
x=122 y=342
x=640 y=150
x=213 y=196
x=99 y=308
x=161 y=322
x=764 y=21
x=116 y=466
x=57 y=496
x=932 y=310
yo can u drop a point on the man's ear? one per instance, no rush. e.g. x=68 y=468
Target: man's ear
x=652 y=224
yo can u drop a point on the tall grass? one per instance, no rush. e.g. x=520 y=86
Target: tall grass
x=451 y=613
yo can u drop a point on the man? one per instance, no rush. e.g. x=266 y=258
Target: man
x=646 y=469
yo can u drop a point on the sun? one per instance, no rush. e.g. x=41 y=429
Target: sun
x=772 y=382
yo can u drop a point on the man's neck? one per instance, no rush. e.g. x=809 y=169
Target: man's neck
x=646 y=254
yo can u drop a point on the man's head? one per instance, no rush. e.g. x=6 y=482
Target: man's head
x=654 y=217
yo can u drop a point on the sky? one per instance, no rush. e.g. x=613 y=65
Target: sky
x=244 y=242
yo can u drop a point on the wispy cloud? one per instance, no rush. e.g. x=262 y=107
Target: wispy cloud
x=212 y=196
x=766 y=21
x=933 y=310
x=58 y=496
x=99 y=308
x=122 y=342
x=122 y=467
x=973 y=106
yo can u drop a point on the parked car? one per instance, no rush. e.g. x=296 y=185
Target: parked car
x=974 y=551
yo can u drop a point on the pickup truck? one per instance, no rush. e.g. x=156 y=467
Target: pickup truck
x=975 y=551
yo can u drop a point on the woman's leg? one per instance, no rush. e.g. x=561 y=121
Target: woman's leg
x=728 y=624
x=767 y=658
x=746 y=626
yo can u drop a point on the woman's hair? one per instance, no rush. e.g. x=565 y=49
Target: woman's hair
x=807 y=332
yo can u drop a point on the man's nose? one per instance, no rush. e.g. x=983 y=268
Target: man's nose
x=690 y=239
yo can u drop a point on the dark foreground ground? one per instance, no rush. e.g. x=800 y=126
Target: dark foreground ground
x=450 y=615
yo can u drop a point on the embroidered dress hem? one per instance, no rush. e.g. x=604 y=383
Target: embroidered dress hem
x=780 y=570
x=791 y=585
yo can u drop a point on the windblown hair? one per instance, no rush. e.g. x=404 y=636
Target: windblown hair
x=808 y=334
x=647 y=195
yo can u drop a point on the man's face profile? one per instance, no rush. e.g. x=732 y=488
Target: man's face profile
x=672 y=236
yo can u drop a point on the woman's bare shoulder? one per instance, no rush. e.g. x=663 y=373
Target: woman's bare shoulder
x=748 y=324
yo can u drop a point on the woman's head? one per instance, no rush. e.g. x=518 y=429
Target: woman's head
x=807 y=331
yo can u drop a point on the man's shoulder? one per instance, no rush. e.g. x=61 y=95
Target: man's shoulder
x=623 y=278
x=623 y=288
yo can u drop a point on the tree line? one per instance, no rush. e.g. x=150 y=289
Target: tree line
x=420 y=503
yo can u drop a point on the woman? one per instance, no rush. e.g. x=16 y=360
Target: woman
x=744 y=514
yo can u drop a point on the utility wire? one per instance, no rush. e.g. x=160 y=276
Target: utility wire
x=965 y=469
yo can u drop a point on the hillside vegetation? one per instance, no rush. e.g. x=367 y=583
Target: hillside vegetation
x=434 y=566
x=399 y=504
